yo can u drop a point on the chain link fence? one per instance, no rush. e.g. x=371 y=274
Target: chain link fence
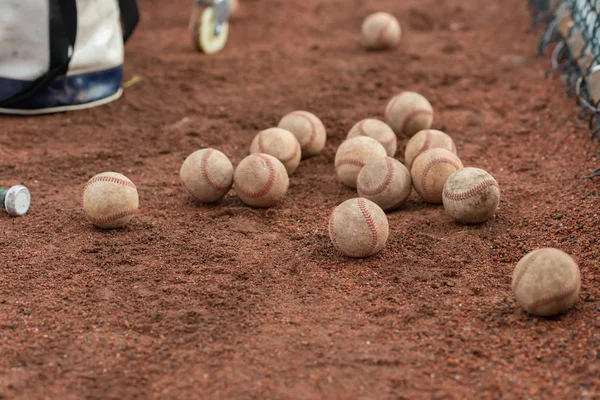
x=572 y=30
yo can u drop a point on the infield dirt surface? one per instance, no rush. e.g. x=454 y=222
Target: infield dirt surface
x=224 y=301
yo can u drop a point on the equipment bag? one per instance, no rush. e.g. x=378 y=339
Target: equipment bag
x=61 y=55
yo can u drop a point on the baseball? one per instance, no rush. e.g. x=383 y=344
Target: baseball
x=207 y=174
x=408 y=113
x=379 y=131
x=110 y=200
x=308 y=129
x=355 y=153
x=381 y=30
x=386 y=182
x=261 y=180
x=546 y=282
x=425 y=140
x=358 y=228
x=471 y=195
x=281 y=144
x=431 y=170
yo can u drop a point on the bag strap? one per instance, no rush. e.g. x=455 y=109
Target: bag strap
x=63 y=33
x=130 y=17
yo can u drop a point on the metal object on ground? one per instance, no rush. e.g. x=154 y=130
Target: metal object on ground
x=209 y=25
x=15 y=200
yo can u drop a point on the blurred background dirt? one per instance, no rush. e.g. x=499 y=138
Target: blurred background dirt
x=224 y=301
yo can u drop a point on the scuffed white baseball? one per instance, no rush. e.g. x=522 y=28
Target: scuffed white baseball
x=471 y=195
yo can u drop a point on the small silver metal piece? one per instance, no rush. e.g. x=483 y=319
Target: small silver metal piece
x=15 y=200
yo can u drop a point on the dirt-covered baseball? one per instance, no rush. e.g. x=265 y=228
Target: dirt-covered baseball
x=386 y=182
x=408 y=113
x=546 y=282
x=358 y=228
x=379 y=131
x=261 y=180
x=355 y=153
x=471 y=195
x=425 y=140
x=381 y=30
x=207 y=174
x=281 y=144
x=430 y=171
x=110 y=200
x=308 y=129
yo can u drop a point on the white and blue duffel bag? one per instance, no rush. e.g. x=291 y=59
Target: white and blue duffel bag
x=62 y=55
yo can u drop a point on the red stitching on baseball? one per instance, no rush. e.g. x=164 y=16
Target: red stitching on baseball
x=107 y=178
x=361 y=128
x=392 y=103
x=332 y=233
x=544 y=301
x=372 y=227
x=389 y=141
x=293 y=155
x=313 y=128
x=361 y=132
x=113 y=217
x=265 y=189
x=411 y=116
x=459 y=196
x=382 y=32
x=425 y=146
x=261 y=148
x=433 y=163
x=104 y=178
x=350 y=161
x=204 y=171
x=530 y=261
x=389 y=175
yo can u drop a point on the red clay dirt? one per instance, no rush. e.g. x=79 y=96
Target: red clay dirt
x=225 y=301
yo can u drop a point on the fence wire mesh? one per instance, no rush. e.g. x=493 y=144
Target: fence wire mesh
x=573 y=27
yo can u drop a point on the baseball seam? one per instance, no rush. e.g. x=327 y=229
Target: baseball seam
x=566 y=292
x=293 y=155
x=313 y=128
x=460 y=196
x=380 y=37
x=388 y=142
x=411 y=116
x=428 y=167
x=391 y=105
x=109 y=218
x=389 y=175
x=205 y=174
x=266 y=188
x=336 y=244
x=372 y=227
x=113 y=217
x=111 y=179
x=261 y=148
x=425 y=146
x=362 y=132
x=518 y=278
x=350 y=161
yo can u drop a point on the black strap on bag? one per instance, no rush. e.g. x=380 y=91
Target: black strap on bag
x=130 y=17
x=63 y=33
